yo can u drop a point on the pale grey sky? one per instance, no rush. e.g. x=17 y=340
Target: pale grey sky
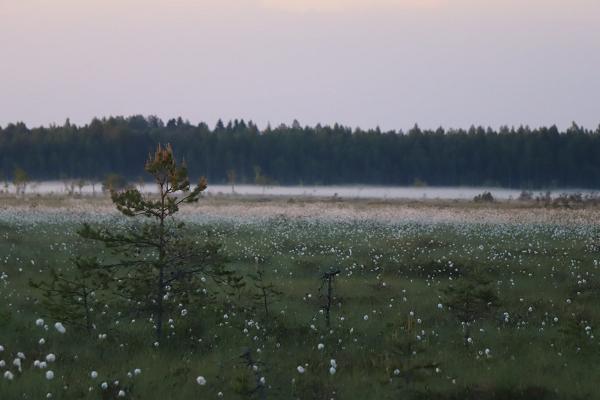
x=363 y=63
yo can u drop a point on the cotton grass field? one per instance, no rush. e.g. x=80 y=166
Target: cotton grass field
x=395 y=326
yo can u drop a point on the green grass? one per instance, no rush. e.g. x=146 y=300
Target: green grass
x=388 y=271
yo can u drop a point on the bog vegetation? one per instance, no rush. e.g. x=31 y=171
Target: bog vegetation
x=147 y=305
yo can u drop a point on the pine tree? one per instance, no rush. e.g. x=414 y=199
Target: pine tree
x=265 y=293
x=469 y=299
x=157 y=266
x=231 y=177
x=72 y=298
x=20 y=180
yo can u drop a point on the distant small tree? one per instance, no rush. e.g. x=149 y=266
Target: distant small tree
x=525 y=195
x=113 y=183
x=158 y=267
x=231 y=176
x=266 y=291
x=470 y=299
x=485 y=197
x=93 y=184
x=260 y=179
x=20 y=180
x=80 y=185
x=402 y=339
x=69 y=186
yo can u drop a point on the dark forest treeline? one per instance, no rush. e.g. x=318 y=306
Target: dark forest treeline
x=517 y=157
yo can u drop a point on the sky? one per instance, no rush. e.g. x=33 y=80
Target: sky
x=366 y=63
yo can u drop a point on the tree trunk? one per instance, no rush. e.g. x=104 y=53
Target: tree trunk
x=161 y=268
x=88 y=318
x=265 y=302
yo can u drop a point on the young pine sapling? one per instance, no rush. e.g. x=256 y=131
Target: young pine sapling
x=157 y=265
x=72 y=298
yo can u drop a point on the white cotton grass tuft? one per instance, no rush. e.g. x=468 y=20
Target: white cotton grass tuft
x=93 y=374
x=60 y=327
x=121 y=393
x=300 y=369
x=8 y=375
x=320 y=346
x=49 y=375
x=39 y=322
x=50 y=358
x=332 y=370
x=201 y=380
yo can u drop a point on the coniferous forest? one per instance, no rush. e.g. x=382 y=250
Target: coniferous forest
x=517 y=157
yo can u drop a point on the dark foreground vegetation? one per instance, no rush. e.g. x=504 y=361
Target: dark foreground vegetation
x=397 y=329
x=239 y=152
